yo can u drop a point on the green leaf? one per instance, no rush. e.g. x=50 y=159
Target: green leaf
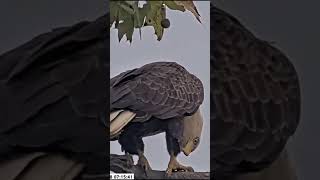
x=114 y=9
x=126 y=28
x=173 y=6
x=128 y=6
x=154 y=17
x=128 y=16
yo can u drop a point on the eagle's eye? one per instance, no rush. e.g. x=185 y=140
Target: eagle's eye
x=196 y=141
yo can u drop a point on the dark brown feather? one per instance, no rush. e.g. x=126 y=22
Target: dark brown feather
x=255 y=98
x=53 y=91
x=162 y=89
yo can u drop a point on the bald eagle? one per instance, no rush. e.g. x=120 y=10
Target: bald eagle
x=53 y=95
x=155 y=98
x=255 y=99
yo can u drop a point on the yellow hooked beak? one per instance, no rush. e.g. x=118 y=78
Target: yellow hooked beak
x=188 y=148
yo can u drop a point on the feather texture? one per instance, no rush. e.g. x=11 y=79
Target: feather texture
x=39 y=166
x=53 y=91
x=162 y=90
x=255 y=98
x=118 y=120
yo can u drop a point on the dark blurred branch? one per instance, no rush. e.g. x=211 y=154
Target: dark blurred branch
x=122 y=164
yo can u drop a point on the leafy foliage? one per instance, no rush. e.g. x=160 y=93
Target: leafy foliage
x=129 y=15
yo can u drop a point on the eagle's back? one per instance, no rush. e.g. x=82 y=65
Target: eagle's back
x=53 y=91
x=255 y=98
x=162 y=89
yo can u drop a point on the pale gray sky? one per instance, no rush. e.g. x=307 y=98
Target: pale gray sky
x=186 y=42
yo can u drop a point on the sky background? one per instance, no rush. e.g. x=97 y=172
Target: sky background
x=186 y=42
x=294 y=27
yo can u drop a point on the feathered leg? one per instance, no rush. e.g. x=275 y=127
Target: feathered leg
x=143 y=162
x=132 y=144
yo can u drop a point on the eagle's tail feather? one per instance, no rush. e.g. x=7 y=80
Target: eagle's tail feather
x=118 y=120
x=114 y=114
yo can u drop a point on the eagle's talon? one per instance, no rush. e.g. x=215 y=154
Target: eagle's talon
x=144 y=164
x=130 y=161
x=189 y=169
x=175 y=166
x=168 y=172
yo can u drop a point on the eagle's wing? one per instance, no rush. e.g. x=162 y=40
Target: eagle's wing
x=53 y=90
x=255 y=98
x=162 y=90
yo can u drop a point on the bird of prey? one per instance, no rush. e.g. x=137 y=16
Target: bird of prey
x=255 y=99
x=155 y=98
x=53 y=96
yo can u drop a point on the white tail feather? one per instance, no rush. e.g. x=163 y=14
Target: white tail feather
x=118 y=120
x=114 y=114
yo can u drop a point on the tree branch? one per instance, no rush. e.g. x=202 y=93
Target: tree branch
x=124 y=164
